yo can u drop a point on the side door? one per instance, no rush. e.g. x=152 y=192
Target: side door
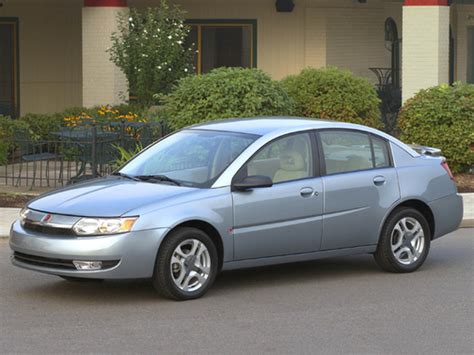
x=360 y=185
x=285 y=218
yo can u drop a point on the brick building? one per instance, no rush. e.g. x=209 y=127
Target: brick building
x=52 y=52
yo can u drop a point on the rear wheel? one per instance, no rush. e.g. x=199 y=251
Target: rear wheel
x=404 y=242
x=186 y=265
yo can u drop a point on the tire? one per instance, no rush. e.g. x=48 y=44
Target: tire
x=181 y=274
x=80 y=279
x=404 y=241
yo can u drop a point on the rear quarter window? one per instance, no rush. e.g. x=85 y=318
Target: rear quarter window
x=381 y=153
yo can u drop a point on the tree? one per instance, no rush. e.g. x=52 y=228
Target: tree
x=150 y=48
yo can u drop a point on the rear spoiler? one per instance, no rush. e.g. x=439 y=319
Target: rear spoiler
x=423 y=150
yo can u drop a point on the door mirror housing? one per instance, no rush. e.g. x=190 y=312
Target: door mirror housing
x=251 y=182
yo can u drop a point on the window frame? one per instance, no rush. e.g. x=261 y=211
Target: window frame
x=314 y=151
x=322 y=160
x=199 y=23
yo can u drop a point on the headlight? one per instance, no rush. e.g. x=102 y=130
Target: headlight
x=101 y=226
x=24 y=215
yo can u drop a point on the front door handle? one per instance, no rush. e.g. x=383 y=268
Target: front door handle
x=306 y=192
x=379 y=180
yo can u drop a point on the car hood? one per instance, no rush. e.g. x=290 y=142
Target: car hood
x=106 y=197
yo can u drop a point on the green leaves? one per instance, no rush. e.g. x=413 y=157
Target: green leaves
x=442 y=117
x=335 y=94
x=225 y=93
x=150 y=49
x=125 y=155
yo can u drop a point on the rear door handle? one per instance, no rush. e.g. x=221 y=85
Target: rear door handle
x=379 y=180
x=307 y=192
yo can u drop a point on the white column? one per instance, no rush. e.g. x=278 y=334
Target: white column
x=102 y=81
x=425 y=43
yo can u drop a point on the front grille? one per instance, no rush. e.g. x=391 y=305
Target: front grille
x=55 y=263
x=47 y=230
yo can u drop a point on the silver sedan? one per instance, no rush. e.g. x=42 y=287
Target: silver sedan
x=243 y=193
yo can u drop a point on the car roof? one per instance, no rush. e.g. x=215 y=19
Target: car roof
x=263 y=125
x=279 y=125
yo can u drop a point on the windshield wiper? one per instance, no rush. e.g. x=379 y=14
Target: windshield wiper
x=161 y=178
x=118 y=173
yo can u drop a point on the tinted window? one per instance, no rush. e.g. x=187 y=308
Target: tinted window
x=346 y=151
x=285 y=159
x=381 y=154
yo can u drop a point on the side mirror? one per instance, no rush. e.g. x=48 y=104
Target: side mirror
x=251 y=182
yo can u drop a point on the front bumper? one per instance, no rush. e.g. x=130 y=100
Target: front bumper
x=135 y=252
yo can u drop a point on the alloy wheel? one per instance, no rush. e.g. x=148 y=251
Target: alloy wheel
x=190 y=265
x=407 y=240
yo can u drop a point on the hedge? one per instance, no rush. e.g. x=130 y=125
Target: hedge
x=442 y=117
x=225 y=93
x=336 y=94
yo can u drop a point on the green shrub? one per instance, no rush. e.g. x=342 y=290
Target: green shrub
x=331 y=93
x=8 y=127
x=125 y=155
x=225 y=93
x=150 y=47
x=3 y=152
x=41 y=126
x=442 y=117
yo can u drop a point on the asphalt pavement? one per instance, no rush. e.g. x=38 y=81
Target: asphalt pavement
x=339 y=305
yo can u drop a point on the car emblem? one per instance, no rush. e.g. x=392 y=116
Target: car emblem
x=46 y=218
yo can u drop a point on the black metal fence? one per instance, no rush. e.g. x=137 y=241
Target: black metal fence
x=390 y=94
x=74 y=153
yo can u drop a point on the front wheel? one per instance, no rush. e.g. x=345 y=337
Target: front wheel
x=186 y=265
x=404 y=242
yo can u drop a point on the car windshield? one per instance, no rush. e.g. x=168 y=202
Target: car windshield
x=189 y=157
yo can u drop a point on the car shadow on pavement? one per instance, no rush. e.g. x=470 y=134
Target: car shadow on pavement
x=127 y=291
x=297 y=273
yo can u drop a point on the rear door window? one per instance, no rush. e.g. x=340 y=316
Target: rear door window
x=346 y=151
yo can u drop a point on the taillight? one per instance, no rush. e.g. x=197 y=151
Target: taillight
x=445 y=166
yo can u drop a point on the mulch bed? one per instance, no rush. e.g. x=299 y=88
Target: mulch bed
x=14 y=200
x=465 y=183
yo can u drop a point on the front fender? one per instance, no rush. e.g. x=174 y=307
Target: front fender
x=214 y=208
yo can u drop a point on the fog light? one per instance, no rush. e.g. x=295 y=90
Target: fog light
x=87 y=265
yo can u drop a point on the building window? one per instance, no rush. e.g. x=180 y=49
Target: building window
x=470 y=55
x=223 y=43
x=9 y=67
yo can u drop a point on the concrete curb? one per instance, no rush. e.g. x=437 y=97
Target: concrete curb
x=9 y=215
x=467 y=223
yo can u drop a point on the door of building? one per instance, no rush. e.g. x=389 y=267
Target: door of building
x=8 y=68
x=470 y=55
